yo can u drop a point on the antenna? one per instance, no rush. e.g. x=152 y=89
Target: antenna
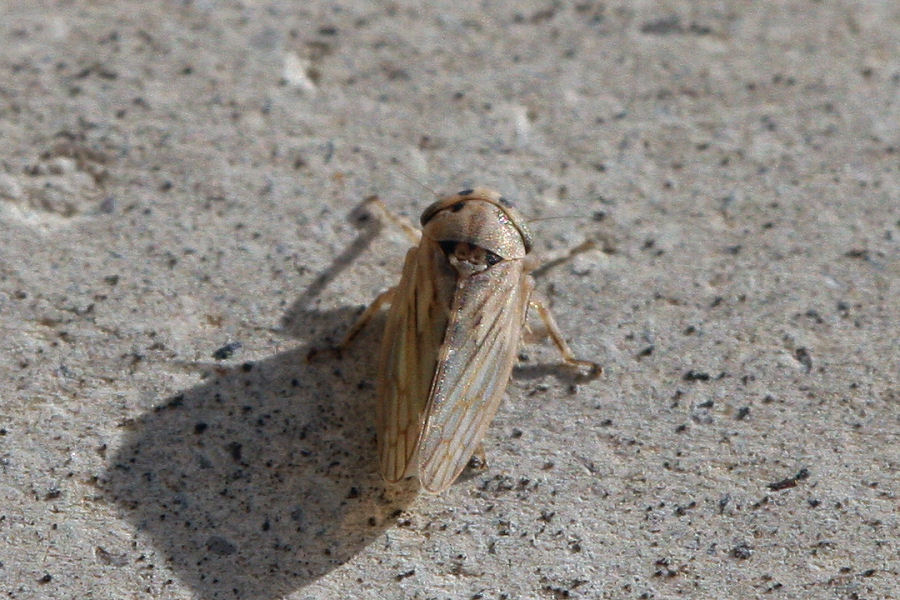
x=415 y=180
x=556 y=217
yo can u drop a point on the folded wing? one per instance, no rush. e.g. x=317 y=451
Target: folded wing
x=473 y=367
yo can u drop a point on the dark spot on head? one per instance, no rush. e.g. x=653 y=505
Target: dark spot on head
x=491 y=258
x=466 y=192
x=504 y=202
x=457 y=207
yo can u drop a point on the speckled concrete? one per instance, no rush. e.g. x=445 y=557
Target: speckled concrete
x=176 y=177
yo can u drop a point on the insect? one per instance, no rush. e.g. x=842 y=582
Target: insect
x=452 y=335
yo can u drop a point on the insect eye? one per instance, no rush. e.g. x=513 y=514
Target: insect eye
x=491 y=259
x=448 y=247
x=457 y=207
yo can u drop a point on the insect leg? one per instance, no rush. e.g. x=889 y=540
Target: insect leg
x=556 y=335
x=543 y=267
x=366 y=316
x=403 y=223
x=361 y=322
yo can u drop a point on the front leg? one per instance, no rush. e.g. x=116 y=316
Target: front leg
x=386 y=296
x=363 y=320
x=593 y=369
x=403 y=223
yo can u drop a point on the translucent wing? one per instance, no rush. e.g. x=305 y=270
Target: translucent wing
x=479 y=350
x=412 y=340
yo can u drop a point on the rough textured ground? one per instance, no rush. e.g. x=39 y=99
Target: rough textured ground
x=178 y=176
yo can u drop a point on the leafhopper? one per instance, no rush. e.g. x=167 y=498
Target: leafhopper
x=452 y=335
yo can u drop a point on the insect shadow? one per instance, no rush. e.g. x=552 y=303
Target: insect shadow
x=262 y=478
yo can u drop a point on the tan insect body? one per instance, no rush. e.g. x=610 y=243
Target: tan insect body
x=452 y=336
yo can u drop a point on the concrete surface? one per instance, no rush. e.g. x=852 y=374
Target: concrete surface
x=178 y=176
